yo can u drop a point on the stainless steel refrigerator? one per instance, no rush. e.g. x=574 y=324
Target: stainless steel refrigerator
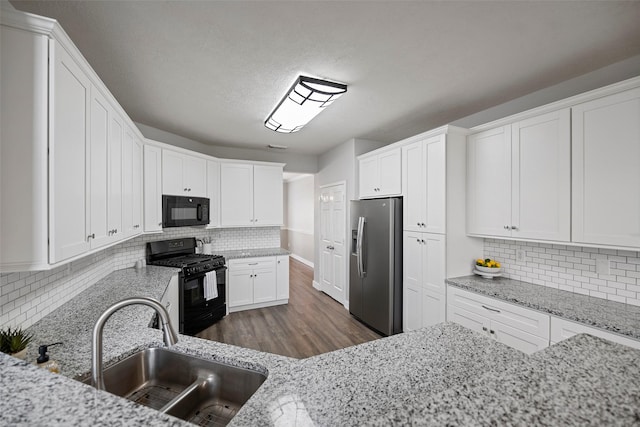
x=375 y=264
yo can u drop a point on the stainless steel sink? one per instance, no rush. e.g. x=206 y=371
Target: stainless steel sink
x=193 y=389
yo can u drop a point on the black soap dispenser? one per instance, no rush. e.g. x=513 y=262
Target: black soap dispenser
x=45 y=362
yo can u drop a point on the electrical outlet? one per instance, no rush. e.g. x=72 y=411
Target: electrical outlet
x=603 y=266
x=520 y=255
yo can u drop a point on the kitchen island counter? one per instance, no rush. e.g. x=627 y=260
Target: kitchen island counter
x=433 y=376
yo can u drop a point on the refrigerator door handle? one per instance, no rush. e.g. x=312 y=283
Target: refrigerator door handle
x=361 y=221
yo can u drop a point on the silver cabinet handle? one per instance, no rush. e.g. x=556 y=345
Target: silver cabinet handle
x=160 y=224
x=253 y=263
x=513 y=227
x=490 y=309
x=91 y=236
x=484 y=328
x=506 y=227
x=189 y=189
x=186 y=189
x=168 y=304
x=492 y=331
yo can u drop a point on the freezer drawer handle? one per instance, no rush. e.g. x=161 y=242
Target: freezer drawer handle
x=490 y=309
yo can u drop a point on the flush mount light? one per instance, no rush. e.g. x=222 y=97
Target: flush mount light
x=306 y=98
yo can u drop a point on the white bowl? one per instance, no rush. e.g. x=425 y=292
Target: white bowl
x=493 y=270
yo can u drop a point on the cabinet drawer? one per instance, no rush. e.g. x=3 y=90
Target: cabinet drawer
x=562 y=329
x=252 y=263
x=468 y=319
x=520 y=318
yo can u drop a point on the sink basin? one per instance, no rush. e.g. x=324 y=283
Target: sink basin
x=200 y=391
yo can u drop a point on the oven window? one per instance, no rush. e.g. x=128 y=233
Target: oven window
x=178 y=214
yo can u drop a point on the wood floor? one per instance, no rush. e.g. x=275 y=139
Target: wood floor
x=311 y=324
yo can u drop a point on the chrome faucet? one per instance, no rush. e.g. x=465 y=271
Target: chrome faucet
x=169 y=334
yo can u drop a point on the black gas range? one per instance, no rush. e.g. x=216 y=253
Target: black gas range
x=199 y=306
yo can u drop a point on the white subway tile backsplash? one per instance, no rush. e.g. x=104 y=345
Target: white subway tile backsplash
x=28 y=296
x=571 y=268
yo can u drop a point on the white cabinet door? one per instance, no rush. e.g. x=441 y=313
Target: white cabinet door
x=152 y=188
x=171 y=301
x=413 y=184
x=98 y=192
x=69 y=208
x=264 y=285
x=236 y=194
x=114 y=205
x=172 y=170
x=195 y=176
x=390 y=173
x=413 y=258
x=240 y=287
x=605 y=172
x=412 y=307
x=282 y=277
x=127 y=183
x=213 y=192
x=433 y=252
x=433 y=307
x=267 y=195
x=489 y=182
x=137 y=186
x=516 y=338
x=435 y=175
x=368 y=176
x=562 y=329
x=541 y=177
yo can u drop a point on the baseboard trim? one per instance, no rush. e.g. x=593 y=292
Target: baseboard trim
x=302 y=260
x=316 y=285
x=346 y=305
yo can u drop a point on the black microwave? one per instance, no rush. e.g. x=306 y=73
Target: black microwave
x=183 y=211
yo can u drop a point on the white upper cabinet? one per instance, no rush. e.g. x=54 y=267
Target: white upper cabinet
x=380 y=174
x=183 y=174
x=424 y=183
x=541 y=177
x=98 y=173
x=489 y=182
x=250 y=195
x=606 y=171
x=137 y=186
x=519 y=179
x=114 y=204
x=131 y=184
x=69 y=100
x=152 y=188
x=213 y=192
x=267 y=195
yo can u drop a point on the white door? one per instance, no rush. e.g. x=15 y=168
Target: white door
x=267 y=195
x=434 y=262
x=116 y=135
x=264 y=285
x=127 y=183
x=389 y=172
x=152 y=188
x=236 y=194
x=412 y=281
x=69 y=207
x=516 y=338
x=213 y=192
x=435 y=175
x=240 y=287
x=195 y=176
x=332 y=241
x=433 y=307
x=99 y=142
x=605 y=174
x=368 y=176
x=489 y=182
x=541 y=177
x=137 y=186
x=413 y=184
x=468 y=319
x=412 y=307
x=282 y=277
x=172 y=173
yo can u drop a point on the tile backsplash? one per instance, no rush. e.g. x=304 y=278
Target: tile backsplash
x=26 y=297
x=570 y=268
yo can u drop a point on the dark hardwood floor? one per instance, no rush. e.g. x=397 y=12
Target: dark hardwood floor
x=311 y=324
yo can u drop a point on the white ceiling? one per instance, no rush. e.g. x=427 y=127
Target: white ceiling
x=212 y=71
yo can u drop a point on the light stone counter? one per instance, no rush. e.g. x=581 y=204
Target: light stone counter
x=253 y=253
x=444 y=374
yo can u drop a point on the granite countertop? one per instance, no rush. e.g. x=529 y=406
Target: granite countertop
x=253 y=253
x=444 y=374
x=612 y=316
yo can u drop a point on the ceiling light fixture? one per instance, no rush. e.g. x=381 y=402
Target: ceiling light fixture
x=306 y=98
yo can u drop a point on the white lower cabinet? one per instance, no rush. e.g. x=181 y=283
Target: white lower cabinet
x=171 y=301
x=257 y=282
x=562 y=329
x=523 y=329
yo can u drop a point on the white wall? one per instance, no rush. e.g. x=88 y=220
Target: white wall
x=302 y=163
x=298 y=227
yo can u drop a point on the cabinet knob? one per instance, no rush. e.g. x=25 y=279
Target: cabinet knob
x=423 y=224
x=418 y=224
x=418 y=240
x=189 y=189
x=492 y=331
x=91 y=236
x=513 y=227
x=506 y=227
x=160 y=224
x=484 y=328
x=186 y=189
x=422 y=241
